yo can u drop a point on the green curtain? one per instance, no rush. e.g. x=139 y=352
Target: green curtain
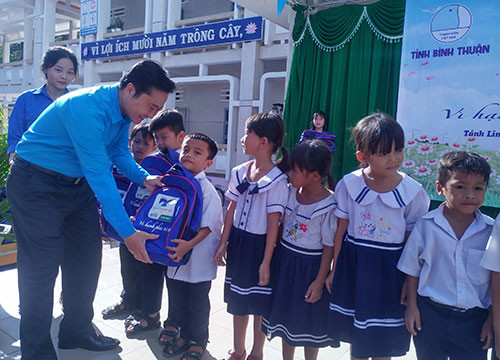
x=346 y=62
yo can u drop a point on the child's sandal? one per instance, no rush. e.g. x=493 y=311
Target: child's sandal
x=192 y=353
x=135 y=326
x=173 y=348
x=173 y=334
x=113 y=311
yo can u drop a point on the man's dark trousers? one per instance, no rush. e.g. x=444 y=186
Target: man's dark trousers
x=129 y=268
x=56 y=224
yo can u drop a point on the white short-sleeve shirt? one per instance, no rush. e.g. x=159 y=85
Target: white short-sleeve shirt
x=309 y=226
x=201 y=266
x=448 y=268
x=255 y=200
x=382 y=217
x=491 y=257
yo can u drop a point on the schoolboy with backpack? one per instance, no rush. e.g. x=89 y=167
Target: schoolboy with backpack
x=186 y=329
x=141 y=144
x=168 y=131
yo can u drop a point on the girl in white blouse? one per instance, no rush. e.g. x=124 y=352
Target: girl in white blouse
x=299 y=311
x=258 y=192
x=377 y=207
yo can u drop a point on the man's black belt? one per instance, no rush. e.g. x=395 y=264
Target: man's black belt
x=55 y=174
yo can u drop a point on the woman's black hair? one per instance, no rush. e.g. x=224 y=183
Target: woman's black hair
x=322 y=114
x=376 y=133
x=56 y=53
x=270 y=125
x=147 y=75
x=311 y=156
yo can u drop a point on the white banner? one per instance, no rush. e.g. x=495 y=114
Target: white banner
x=449 y=92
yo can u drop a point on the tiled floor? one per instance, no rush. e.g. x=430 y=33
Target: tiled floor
x=146 y=347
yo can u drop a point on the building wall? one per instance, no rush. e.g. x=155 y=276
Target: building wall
x=204 y=109
x=274 y=92
x=192 y=8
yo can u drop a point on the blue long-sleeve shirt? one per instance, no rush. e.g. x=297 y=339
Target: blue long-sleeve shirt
x=82 y=134
x=28 y=107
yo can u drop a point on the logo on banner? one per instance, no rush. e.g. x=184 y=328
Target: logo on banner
x=451 y=23
x=163 y=208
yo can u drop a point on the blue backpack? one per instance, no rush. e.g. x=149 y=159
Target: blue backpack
x=174 y=212
x=122 y=183
x=156 y=164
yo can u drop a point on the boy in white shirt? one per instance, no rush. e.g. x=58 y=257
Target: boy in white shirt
x=189 y=285
x=448 y=290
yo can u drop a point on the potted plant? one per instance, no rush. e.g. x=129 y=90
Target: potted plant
x=117 y=25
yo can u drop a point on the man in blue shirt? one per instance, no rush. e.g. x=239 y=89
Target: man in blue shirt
x=63 y=159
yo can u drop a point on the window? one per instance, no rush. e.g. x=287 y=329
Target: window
x=16 y=51
x=117 y=12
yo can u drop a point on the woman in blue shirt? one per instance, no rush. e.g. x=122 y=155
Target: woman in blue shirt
x=59 y=65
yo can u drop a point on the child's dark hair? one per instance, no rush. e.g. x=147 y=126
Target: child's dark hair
x=463 y=161
x=147 y=75
x=170 y=118
x=270 y=125
x=313 y=156
x=56 y=53
x=376 y=133
x=143 y=129
x=323 y=115
x=212 y=145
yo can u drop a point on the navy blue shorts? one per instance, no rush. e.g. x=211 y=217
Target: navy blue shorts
x=448 y=333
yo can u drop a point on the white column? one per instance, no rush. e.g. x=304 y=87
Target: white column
x=148 y=16
x=159 y=17
x=159 y=23
x=173 y=13
x=89 y=77
x=252 y=69
x=37 y=43
x=202 y=70
x=148 y=21
x=49 y=24
x=71 y=27
x=27 y=46
x=289 y=57
x=103 y=15
x=6 y=49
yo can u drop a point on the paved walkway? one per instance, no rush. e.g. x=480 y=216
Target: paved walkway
x=145 y=347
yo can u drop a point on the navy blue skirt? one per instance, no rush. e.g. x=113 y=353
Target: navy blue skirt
x=243 y=296
x=293 y=319
x=365 y=307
